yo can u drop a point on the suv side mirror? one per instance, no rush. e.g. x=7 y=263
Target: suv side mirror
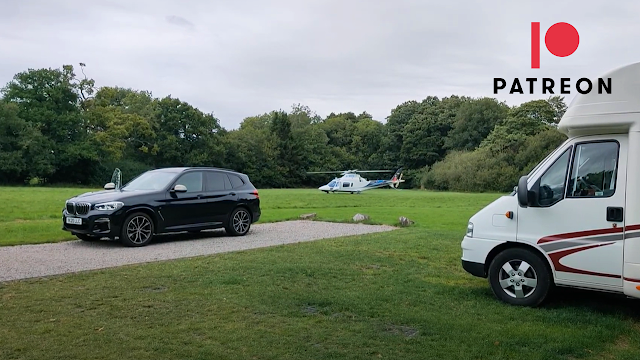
x=110 y=186
x=180 y=188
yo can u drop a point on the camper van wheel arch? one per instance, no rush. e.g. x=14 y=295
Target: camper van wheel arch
x=519 y=276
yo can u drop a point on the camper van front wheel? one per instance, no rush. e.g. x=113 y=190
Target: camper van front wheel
x=519 y=277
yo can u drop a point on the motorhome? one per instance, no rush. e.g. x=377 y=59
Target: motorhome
x=574 y=220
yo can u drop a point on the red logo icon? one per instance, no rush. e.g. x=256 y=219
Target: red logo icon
x=562 y=40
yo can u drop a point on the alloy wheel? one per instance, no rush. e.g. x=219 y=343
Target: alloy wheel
x=241 y=221
x=518 y=279
x=139 y=229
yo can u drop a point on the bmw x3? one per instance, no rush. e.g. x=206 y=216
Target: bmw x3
x=164 y=200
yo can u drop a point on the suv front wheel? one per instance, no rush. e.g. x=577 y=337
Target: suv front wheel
x=137 y=230
x=239 y=222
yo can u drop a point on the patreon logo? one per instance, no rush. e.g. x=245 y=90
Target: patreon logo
x=562 y=40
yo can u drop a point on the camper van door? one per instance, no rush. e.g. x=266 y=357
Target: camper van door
x=576 y=209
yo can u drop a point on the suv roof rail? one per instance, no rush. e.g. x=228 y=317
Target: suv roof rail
x=216 y=168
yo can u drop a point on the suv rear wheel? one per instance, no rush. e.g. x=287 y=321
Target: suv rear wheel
x=239 y=222
x=137 y=230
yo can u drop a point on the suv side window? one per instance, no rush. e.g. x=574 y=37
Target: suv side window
x=236 y=181
x=217 y=181
x=192 y=180
x=552 y=182
x=594 y=170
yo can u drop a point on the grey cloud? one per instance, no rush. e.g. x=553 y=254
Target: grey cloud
x=180 y=21
x=249 y=56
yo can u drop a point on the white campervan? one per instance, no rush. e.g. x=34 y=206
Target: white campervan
x=575 y=219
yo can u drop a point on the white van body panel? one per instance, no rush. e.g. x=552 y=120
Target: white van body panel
x=492 y=222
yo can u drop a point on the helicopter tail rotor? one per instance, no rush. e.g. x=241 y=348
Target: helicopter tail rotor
x=396 y=179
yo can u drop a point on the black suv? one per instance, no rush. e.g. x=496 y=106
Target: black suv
x=163 y=201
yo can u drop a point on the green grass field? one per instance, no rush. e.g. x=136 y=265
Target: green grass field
x=396 y=295
x=34 y=215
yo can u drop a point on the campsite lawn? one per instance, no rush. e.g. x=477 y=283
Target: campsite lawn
x=393 y=295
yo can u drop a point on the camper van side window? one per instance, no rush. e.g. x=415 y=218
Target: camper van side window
x=594 y=170
x=552 y=183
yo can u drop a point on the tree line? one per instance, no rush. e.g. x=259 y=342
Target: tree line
x=60 y=128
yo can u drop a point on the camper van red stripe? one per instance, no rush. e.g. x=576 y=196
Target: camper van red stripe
x=578 y=234
x=555 y=258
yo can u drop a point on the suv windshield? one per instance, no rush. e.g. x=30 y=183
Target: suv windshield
x=151 y=180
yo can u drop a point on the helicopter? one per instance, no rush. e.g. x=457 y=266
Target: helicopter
x=352 y=182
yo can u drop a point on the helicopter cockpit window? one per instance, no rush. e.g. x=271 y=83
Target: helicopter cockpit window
x=332 y=183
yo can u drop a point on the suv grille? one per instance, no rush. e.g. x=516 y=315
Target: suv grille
x=81 y=208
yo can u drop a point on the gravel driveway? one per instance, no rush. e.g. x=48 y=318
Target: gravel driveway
x=27 y=261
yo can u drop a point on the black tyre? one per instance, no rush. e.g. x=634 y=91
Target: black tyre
x=137 y=230
x=520 y=277
x=239 y=222
x=85 y=237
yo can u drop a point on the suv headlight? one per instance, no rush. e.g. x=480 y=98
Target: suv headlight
x=470 y=229
x=112 y=205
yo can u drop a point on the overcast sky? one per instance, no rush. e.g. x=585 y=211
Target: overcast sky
x=246 y=57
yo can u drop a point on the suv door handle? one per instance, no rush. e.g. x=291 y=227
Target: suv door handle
x=615 y=214
x=232 y=194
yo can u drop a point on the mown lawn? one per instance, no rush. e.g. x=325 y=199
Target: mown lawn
x=396 y=295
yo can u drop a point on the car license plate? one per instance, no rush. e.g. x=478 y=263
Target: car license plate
x=74 y=221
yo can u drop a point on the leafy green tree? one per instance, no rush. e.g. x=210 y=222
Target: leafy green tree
x=366 y=142
x=474 y=121
x=423 y=136
x=288 y=153
x=523 y=121
x=253 y=149
x=51 y=101
x=185 y=135
x=23 y=150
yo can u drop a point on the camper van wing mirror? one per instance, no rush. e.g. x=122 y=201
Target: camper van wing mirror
x=110 y=186
x=522 y=192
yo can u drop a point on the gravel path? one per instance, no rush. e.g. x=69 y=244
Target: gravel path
x=28 y=261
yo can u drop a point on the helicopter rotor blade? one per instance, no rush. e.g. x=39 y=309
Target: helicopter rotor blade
x=349 y=171
x=374 y=171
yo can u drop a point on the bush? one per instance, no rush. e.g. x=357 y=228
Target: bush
x=471 y=171
x=487 y=169
x=34 y=181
